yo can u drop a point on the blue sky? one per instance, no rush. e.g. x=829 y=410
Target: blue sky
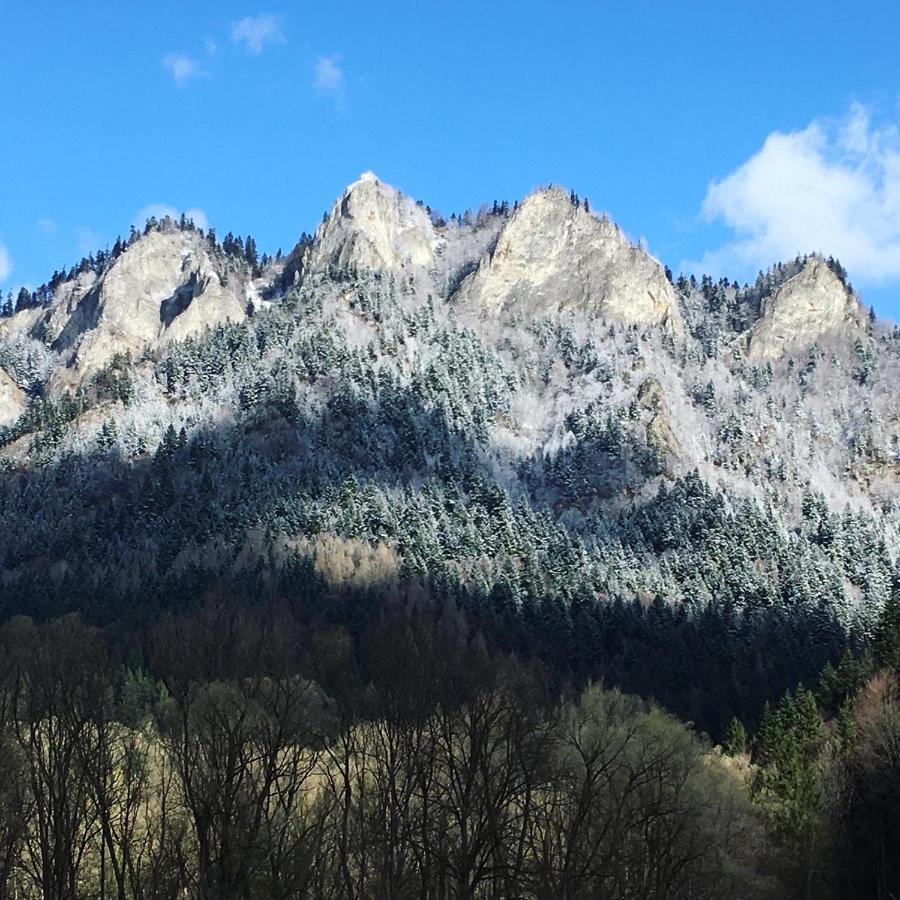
x=726 y=135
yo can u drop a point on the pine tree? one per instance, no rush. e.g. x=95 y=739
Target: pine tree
x=250 y=253
x=169 y=444
x=887 y=635
x=787 y=749
x=735 y=741
x=108 y=434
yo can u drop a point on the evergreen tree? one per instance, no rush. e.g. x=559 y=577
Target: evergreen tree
x=735 y=741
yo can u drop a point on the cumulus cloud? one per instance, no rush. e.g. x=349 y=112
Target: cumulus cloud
x=161 y=210
x=329 y=77
x=183 y=68
x=5 y=263
x=255 y=32
x=833 y=187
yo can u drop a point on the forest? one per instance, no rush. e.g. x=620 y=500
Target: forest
x=362 y=597
x=245 y=749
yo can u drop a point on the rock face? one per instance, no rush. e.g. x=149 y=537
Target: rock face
x=660 y=433
x=372 y=226
x=164 y=287
x=551 y=255
x=554 y=255
x=12 y=399
x=812 y=303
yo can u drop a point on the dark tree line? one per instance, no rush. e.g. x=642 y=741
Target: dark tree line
x=827 y=775
x=258 y=757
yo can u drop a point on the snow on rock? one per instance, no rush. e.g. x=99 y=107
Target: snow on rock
x=553 y=255
x=812 y=303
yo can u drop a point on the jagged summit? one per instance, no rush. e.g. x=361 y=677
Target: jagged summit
x=165 y=286
x=547 y=255
x=555 y=255
x=812 y=303
x=372 y=226
x=550 y=255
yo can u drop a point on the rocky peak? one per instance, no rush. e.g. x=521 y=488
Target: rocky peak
x=555 y=255
x=165 y=286
x=812 y=303
x=372 y=226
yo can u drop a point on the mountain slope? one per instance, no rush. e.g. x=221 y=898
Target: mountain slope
x=163 y=287
x=553 y=255
x=532 y=421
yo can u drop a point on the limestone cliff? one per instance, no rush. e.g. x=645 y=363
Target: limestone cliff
x=554 y=255
x=372 y=226
x=165 y=286
x=812 y=303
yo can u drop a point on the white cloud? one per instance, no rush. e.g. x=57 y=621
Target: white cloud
x=198 y=216
x=833 y=187
x=254 y=32
x=161 y=210
x=329 y=76
x=6 y=265
x=47 y=226
x=183 y=68
x=88 y=240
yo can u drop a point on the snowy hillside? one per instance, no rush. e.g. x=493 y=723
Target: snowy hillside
x=519 y=409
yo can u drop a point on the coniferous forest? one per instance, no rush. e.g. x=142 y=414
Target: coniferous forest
x=371 y=595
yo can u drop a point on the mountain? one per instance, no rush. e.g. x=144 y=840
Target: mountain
x=163 y=288
x=554 y=255
x=689 y=489
x=372 y=227
x=810 y=304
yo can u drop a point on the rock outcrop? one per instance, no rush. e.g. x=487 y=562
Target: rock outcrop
x=660 y=433
x=554 y=255
x=373 y=227
x=166 y=286
x=12 y=399
x=550 y=255
x=813 y=303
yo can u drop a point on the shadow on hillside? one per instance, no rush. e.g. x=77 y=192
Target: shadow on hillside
x=229 y=510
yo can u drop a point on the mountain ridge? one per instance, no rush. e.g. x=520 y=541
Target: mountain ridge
x=548 y=259
x=580 y=480
x=550 y=254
